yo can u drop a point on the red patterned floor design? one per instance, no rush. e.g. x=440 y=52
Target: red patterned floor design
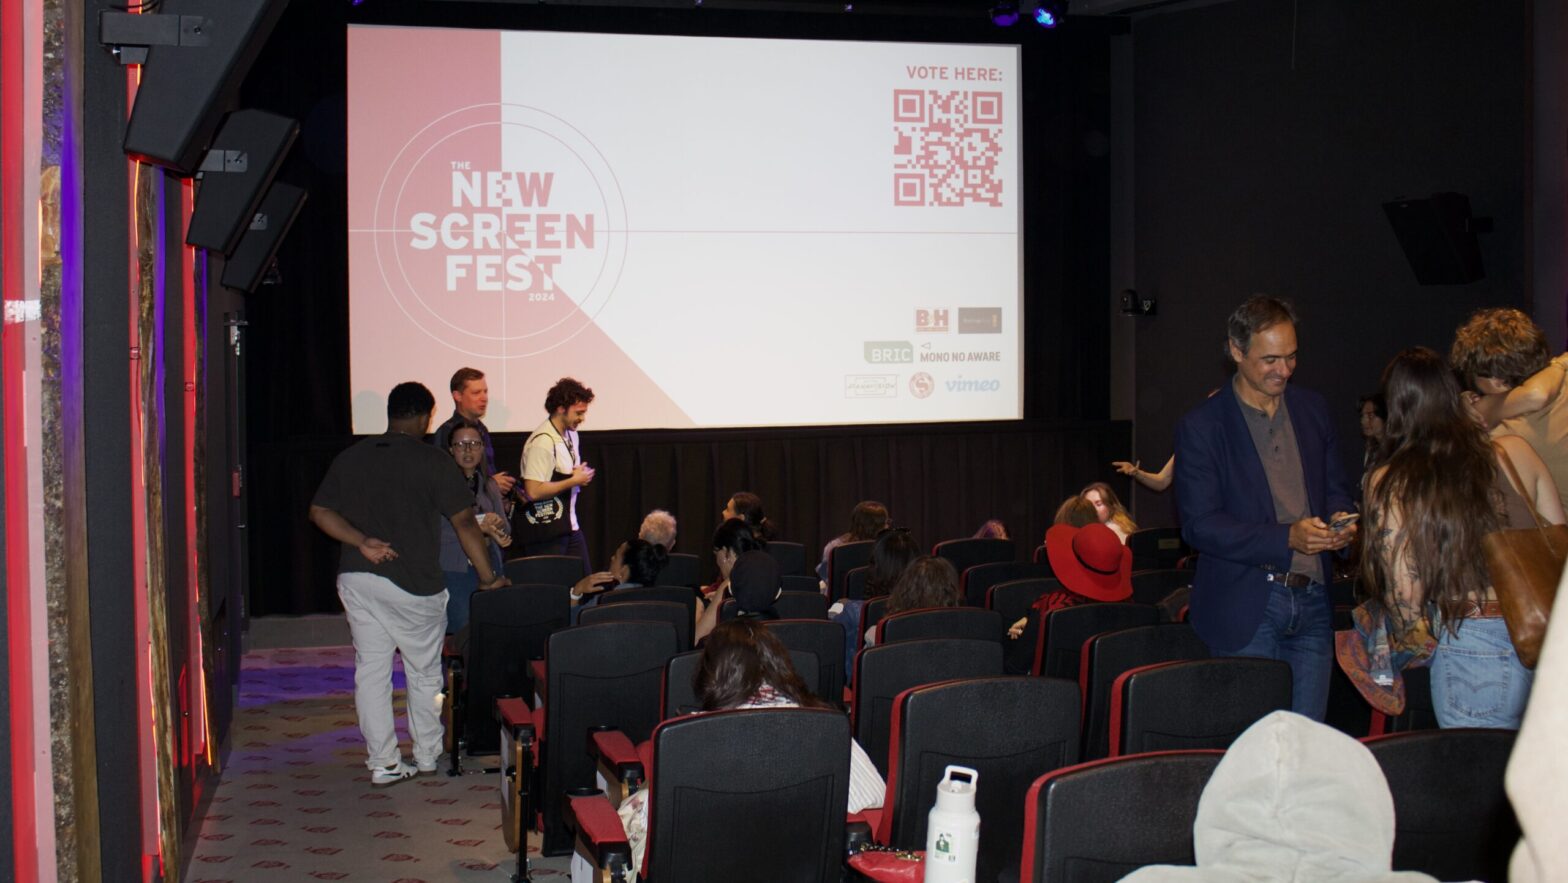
x=295 y=802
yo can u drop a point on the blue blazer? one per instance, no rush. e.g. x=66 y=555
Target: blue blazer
x=1227 y=510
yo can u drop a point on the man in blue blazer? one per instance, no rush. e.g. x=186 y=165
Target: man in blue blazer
x=1257 y=471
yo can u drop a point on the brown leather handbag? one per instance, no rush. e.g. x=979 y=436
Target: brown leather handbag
x=1526 y=565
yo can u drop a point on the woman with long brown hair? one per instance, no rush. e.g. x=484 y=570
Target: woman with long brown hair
x=1109 y=510
x=1441 y=487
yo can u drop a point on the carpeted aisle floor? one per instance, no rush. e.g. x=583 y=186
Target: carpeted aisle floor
x=295 y=802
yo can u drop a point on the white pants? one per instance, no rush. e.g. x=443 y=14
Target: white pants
x=383 y=618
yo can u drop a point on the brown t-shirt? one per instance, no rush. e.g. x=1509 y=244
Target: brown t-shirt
x=395 y=487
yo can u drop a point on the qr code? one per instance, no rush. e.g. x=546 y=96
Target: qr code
x=946 y=148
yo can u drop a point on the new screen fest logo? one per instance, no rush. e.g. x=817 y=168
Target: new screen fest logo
x=500 y=230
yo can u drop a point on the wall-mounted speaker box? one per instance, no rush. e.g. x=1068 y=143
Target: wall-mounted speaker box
x=259 y=245
x=186 y=88
x=245 y=156
x=1438 y=236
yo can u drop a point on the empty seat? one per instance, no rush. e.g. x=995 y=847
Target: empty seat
x=1157 y=548
x=791 y=557
x=977 y=581
x=1107 y=656
x=884 y=671
x=554 y=570
x=1009 y=730
x=1153 y=586
x=941 y=622
x=1064 y=632
x=1451 y=817
x=1102 y=820
x=678 y=594
x=681 y=570
x=1203 y=703
x=675 y=614
x=966 y=553
x=844 y=558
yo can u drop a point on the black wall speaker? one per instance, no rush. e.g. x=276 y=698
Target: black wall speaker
x=259 y=245
x=245 y=157
x=186 y=88
x=1438 y=236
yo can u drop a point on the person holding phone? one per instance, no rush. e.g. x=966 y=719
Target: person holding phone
x=460 y=577
x=1259 y=484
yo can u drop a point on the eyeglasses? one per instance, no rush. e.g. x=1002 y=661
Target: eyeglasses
x=470 y=445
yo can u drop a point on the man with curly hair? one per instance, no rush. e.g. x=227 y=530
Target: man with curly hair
x=554 y=473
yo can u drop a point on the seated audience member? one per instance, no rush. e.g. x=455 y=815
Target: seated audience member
x=1091 y=564
x=467 y=447
x=1154 y=481
x=731 y=540
x=891 y=555
x=755 y=585
x=658 y=527
x=635 y=565
x=745 y=666
x=1076 y=511
x=992 y=530
x=1514 y=384
x=1108 y=509
x=1292 y=801
x=866 y=520
x=747 y=507
x=928 y=581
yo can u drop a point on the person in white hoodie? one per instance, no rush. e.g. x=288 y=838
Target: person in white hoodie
x=1292 y=800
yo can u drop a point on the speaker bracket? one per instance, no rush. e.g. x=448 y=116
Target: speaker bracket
x=129 y=34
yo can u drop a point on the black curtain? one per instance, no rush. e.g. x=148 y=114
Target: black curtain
x=940 y=480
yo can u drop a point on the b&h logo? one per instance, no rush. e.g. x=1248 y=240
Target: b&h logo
x=930 y=321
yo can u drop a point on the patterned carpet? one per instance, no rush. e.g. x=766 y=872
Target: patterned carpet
x=295 y=802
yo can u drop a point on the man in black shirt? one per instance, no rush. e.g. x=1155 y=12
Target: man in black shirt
x=384 y=500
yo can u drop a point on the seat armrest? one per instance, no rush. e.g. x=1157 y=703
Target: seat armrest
x=449 y=648
x=515 y=715
x=618 y=763
x=536 y=670
x=600 y=837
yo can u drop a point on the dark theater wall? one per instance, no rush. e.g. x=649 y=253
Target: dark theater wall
x=1266 y=143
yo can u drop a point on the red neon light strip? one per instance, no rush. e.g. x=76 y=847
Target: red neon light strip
x=14 y=61
x=198 y=697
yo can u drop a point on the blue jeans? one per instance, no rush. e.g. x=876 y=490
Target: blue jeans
x=1297 y=628
x=460 y=587
x=1477 y=680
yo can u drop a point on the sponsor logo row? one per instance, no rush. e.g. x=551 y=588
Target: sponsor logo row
x=971 y=320
x=902 y=352
x=921 y=385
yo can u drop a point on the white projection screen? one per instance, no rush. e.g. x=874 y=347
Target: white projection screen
x=709 y=232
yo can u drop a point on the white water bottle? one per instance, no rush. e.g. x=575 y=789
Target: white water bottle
x=953 y=829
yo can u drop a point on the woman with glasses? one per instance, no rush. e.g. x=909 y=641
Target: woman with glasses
x=468 y=449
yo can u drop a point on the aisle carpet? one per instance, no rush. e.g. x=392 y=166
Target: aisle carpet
x=295 y=802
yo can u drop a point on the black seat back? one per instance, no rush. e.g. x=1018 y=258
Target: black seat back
x=1197 y=703
x=677 y=615
x=682 y=569
x=1012 y=599
x=791 y=557
x=675 y=593
x=555 y=570
x=977 y=580
x=1098 y=822
x=506 y=629
x=794 y=582
x=717 y=813
x=1111 y=654
x=823 y=638
x=680 y=695
x=941 y=622
x=1157 y=548
x=844 y=558
x=606 y=674
x=1451 y=817
x=1010 y=731
x=966 y=553
x=884 y=671
x=855 y=582
x=1065 y=631
x=1153 y=586
x=789 y=605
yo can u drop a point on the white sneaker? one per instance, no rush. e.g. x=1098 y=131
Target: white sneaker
x=381 y=777
x=429 y=767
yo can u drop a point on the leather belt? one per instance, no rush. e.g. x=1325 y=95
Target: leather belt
x=1292 y=580
x=1486 y=609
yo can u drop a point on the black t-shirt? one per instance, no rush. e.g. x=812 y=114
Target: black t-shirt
x=396 y=488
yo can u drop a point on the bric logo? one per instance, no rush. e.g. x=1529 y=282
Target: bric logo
x=921 y=385
x=889 y=352
x=959 y=384
x=870 y=386
x=930 y=321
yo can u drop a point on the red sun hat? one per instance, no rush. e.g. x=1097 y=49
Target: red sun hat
x=1091 y=561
